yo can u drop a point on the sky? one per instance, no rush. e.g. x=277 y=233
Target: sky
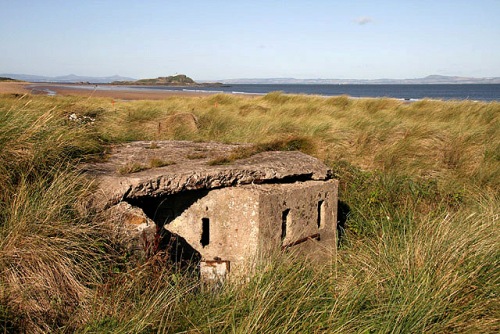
x=228 y=39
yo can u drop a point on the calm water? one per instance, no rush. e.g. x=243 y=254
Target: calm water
x=411 y=92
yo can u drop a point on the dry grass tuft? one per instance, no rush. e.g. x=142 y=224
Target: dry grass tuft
x=156 y=163
x=131 y=167
x=292 y=143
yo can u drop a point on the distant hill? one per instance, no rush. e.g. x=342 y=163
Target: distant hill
x=173 y=80
x=183 y=80
x=180 y=79
x=431 y=79
x=4 y=79
x=72 y=78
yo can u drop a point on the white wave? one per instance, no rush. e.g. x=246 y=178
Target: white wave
x=247 y=93
x=203 y=91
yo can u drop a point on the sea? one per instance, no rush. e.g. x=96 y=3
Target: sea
x=408 y=92
x=473 y=92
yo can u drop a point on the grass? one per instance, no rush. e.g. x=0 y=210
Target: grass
x=420 y=246
x=426 y=138
x=132 y=167
x=291 y=143
x=156 y=162
x=51 y=250
x=135 y=167
x=196 y=156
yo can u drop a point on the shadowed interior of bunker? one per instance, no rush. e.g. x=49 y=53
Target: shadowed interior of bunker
x=163 y=210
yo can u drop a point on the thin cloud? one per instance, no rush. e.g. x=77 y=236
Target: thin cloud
x=364 y=20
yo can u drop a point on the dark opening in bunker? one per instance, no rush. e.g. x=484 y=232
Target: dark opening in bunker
x=321 y=214
x=164 y=209
x=284 y=222
x=343 y=213
x=205 y=232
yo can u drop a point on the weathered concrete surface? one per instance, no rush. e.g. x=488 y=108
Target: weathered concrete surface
x=307 y=210
x=189 y=169
x=233 y=224
x=227 y=215
x=248 y=221
x=136 y=231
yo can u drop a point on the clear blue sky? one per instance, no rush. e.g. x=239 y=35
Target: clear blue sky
x=223 y=39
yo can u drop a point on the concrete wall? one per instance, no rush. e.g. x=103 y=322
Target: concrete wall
x=232 y=216
x=236 y=224
x=298 y=216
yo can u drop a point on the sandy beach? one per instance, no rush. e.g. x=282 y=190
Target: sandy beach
x=12 y=87
x=121 y=93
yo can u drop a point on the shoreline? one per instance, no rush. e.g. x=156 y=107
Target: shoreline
x=120 y=92
x=124 y=93
x=111 y=91
x=108 y=91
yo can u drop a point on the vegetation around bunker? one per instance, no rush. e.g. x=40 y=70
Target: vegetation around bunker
x=420 y=251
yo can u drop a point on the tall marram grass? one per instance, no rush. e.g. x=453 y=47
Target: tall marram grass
x=49 y=254
x=49 y=248
x=456 y=140
x=438 y=276
x=419 y=185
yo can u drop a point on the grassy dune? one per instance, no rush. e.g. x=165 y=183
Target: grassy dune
x=420 y=247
